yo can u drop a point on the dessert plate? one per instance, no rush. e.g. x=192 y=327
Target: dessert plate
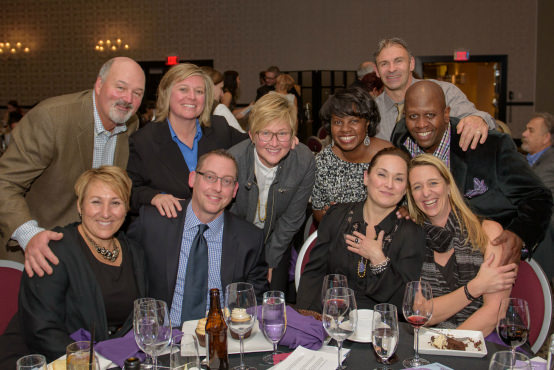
x=476 y=346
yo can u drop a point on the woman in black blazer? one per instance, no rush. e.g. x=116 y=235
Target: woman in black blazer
x=164 y=152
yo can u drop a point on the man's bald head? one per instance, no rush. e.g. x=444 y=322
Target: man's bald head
x=427 y=115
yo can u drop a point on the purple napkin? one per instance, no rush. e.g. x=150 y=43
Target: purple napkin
x=116 y=350
x=302 y=330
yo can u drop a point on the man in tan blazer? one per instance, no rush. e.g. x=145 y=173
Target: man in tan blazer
x=52 y=145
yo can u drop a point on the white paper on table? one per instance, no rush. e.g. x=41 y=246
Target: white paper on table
x=303 y=358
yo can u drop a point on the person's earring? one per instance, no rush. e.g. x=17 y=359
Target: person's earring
x=80 y=216
x=332 y=142
x=366 y=140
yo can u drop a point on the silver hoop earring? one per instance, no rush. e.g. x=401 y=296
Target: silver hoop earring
x=366 y=140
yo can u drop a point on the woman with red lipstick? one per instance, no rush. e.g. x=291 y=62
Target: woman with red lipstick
x=98 y=277
x=365 y=241
x=351 y=116
x=461 y=264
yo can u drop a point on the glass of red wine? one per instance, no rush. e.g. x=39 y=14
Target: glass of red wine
x=513 y=322
x=417 y=307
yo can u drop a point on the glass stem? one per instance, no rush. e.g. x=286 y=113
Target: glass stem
x=155 y=362
x=241 y=351
x=416 y=356
x=340 y=357
x=274 y=348
x=512 y=363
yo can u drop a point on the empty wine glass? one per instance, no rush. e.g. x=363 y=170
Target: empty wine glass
x=340 y=316
x=417 y=307
x=332 y=281
x=240 y=313
x=31 y=362
x=385 y=331
x=183 y=352
x=513 y=322
x=147 y=364
x=503 y=360
x=152 y=327
x=274 y=320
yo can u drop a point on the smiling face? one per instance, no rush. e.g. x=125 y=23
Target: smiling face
x=387 y=180
x=272 y=151
x=102 y=210
x=210 y=199
x=426 y=115
x=118 y=97
x=187 y=99
x=430 y=193
x=394 y=67
x=348 y=132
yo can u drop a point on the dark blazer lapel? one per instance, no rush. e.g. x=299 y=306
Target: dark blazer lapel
x=204 y=145
x=458 y=165
x=227 y=254
x=169 y=155
x=172 y=241
x=85 y=139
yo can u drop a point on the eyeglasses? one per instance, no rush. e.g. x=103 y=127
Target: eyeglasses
x=211 y=177
x=267 y=136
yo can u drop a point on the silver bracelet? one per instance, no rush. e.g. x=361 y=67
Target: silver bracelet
x=379 y=268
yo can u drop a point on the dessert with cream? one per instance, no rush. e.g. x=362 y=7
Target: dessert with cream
x=238 y=316
x=201 y=332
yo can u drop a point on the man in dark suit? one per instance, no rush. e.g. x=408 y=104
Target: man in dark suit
x=537 y=141
x=234 y=246
x=494 y=178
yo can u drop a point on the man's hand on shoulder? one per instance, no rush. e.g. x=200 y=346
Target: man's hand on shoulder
x=167 y=205
x=473 y=130
x=37 y=253
x=511 y=246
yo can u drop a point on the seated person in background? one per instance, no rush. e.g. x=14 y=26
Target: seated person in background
x=275 y=181
x=205 y=247
x=284 y=83
x=461 y=265
x=351 y=117
x=100 y=274
x=164 y=152
x=365 y=241
x=494 y=178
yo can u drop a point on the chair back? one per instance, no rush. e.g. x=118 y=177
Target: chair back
x=533 y=286
x=314 y=143
x=322 y=133
x=303 y=258
x=10 y=277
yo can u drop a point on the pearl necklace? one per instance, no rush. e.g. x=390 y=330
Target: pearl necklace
x=106 y=254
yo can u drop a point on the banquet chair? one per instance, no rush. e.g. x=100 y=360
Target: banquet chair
x=314 y=143
x=322 y=133
x=533 y=286
x=303 y=258
x=10 y=276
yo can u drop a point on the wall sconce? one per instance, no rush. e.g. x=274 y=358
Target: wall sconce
x=109 y=45
x=8 y=48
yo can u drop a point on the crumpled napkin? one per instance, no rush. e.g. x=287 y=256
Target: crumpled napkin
x=301 y=330
x=116 y=350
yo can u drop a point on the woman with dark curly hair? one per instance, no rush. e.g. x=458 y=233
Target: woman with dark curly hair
x=351 y=117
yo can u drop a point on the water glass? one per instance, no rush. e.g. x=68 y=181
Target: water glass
x=183 y=353
x=385 y=331
x=78 y=357
x=274 y=320
x=152 y=327
x=504 y=360
x=32 y=362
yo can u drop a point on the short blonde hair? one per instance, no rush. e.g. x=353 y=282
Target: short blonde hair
x=176 y=74
x=286 y=80
x=113 y=176
x=466 y=218
x=270 y=107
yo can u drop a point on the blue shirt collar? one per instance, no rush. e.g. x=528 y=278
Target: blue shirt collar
x=197 y=137
x=191 y=221
x=532 y=158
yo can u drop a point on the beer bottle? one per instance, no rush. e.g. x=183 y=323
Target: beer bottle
x=216 y=335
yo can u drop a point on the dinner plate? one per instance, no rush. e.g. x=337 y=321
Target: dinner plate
x=364 y=327
x=255 y=343
x=426 y=348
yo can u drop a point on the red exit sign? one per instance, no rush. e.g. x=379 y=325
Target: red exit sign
x=172 y=60
x=461 y=55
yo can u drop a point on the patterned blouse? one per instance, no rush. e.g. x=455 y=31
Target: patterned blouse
x=337 y=180
x=459 y=270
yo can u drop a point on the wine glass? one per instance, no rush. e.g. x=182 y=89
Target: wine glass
x=503 y=360
x=31 y=362
x=385 y=331
x=152 y=327
x=513 y=322
x=340 y=316
x=147 y=364
x=417 y=307
x=274 y=320
x=332 y=281
x=183 y=352
x=240 y=313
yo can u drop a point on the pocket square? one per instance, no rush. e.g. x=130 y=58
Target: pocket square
x=479 y=188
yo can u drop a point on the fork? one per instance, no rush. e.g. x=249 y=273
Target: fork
x=446 y=334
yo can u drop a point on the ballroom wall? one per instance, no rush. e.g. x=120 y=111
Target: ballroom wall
x=249 y=35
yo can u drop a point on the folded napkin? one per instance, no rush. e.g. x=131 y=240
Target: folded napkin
x=301 y=330
x=116 y=350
